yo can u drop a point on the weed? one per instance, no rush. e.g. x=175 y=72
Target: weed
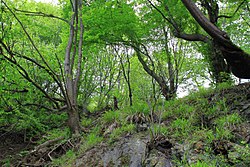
x=65 y=160
x=110 y=116
x=86 y=122
x=121 y=130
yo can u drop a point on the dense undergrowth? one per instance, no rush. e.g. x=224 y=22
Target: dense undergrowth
x=206 y=128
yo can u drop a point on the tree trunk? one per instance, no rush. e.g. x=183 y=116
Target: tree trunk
x=218 y=66
x=127 y=77
x=161 y=82
x=72 y=80
x=116 y=103
x=73 y=121
x=171 y=73
x=238 y=60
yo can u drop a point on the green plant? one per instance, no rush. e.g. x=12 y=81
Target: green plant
x=7 y=162
x=55 y=133
x=92 y=139
x=182 y=127
x=85 y=122
x=110 y=116
x=121 y=130
x=65 y=160
x=223 y=133
x=240 y=154
x=228 y=120
x=140 y=106
x=224 y=125
x=158 y=129
x=204 y=164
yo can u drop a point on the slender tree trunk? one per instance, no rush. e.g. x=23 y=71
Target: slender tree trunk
x=172 y=88
x=126 y=76
x=115 y=103
x=72 y=81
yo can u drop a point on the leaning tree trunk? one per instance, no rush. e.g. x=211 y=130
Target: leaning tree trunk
x=160 y=80
x=218 y=66
x=238 y=60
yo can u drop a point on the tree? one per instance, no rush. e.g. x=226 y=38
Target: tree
x=73 y=70
x=238 y=60
x=67 y=84
x=186 y=29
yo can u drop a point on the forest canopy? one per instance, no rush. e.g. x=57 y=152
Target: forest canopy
x=60 y=62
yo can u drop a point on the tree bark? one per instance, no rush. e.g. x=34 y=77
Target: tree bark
x=74 y=120
x=115 y=103
x=238 y=60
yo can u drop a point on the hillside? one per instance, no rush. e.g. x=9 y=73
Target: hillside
x=206 y=128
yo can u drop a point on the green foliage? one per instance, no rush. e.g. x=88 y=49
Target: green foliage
x=228 y=120
x=140 y=107
x=111 y=116
x=65 y=160
x=182 y=127
x=204 y=164
x=92 y=139
x=159 y=129
x=111 y=28
x=116 y=133
x=241 y=155
x=225 y=125
x=86 y=122
x=55 y=133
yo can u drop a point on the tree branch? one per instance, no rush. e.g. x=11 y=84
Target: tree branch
x=29 y=13
x=225 y=16
x=54 y=76
x=209 y=27
x=177 y=33
x=24 y=73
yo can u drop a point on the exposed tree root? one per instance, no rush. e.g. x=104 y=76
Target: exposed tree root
x=44 y=153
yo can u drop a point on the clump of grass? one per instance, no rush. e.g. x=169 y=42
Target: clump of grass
x=91 y=139
x=66 y=160
x=204 y=164
x=86 y=122
x=116 y=133
x=182 y=127
x=55 y=133
x=224 y=125
x=110 y=116
x=158 y=129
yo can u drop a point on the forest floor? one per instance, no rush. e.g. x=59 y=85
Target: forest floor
x=11 y=145
x=207 y=128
